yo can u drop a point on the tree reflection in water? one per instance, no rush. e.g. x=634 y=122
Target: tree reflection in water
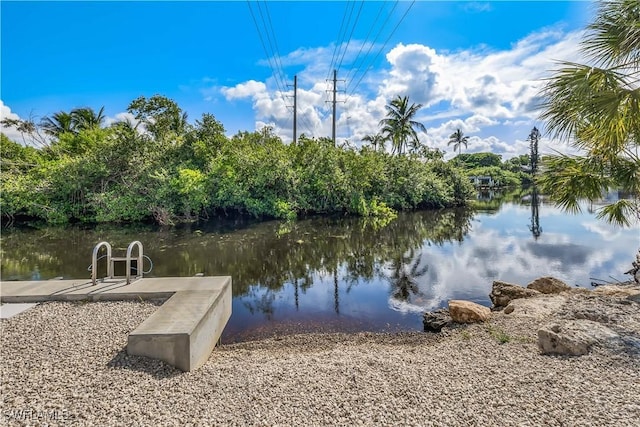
x=535 y=228
x=405 y=270
x=260 y=302
x=264 y=259
x=345 y=274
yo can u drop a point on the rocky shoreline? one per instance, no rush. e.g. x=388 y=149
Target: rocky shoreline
x=66 y=364
x=568 y=321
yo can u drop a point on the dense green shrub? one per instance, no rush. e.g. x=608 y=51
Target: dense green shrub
x=179 y=172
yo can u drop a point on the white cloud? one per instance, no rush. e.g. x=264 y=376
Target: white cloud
x=121 y=117
x=414 y=72
x=496 y=84
x=474 y=265
x=250 y=89
x=11 y=132
x=489 y=94
x=6 y=113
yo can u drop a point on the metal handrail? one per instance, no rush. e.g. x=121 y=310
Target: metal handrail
x=139 y=269
x=94 y=261
x=111 y=261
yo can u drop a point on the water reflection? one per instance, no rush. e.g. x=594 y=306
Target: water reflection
x=535 y=228
x=405 y=271
x=347 y=274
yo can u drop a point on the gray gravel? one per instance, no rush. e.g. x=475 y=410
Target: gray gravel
x=66 y=364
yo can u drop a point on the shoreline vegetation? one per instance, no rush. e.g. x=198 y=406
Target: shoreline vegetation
x=155 y=165
x=118 y=175
x=162 y=169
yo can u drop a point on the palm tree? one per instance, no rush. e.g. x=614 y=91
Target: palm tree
x=86 y=118
x=58 y=124
x=78 y=119
x=399 y=126
x=458 y=139
x=377 y=141
x=596 y=107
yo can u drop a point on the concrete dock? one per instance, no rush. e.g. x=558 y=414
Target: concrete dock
x=184 y=330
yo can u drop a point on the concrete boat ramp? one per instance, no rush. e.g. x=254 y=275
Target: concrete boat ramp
x=182 y=332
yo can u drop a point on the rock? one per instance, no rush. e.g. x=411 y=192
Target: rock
x=634 y=298
x=543 y=306
x=617 y=290
x=434 y=321
x=502 y=293
x=468 y=312
x=549 y=285
x=572 y=337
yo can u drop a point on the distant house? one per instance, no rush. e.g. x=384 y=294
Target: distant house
x=525 y=168
x=483 y=181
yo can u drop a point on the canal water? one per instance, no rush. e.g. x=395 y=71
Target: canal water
x=349 y=274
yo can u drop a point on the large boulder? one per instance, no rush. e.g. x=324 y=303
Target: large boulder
x=434 y=321
x=502 y=293
x=536 y=307
x=549 y=285
x=572 y=337
x=468 y=312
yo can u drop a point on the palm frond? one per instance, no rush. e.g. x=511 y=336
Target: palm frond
x=571 y=179
x=605 y=122
x=620 y=213
x=614 y=36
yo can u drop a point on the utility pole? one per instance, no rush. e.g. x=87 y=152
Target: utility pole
x=295 y=109
x=333 y=119
x=333 y=132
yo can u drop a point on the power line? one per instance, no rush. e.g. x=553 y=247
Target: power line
x=341 y=40
x=279 y=67
x=385 y=45
x=355 y=23
x=364 y=42
x=335 y=48
x=300 y=118
x=277 y=74
x=306 y=124
x=340 y=45
x=274 y=46
x=373 y=43
x=264 y=47
x=275 y=64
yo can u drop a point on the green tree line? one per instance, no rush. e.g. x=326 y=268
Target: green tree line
x=161 y=167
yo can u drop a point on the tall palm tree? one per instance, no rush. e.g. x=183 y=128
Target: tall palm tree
x=458 y=139
x=596 y=107
x=87 y=118
x=58 y=124
x=399 y=126
x=377 y=141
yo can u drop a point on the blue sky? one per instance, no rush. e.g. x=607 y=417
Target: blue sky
x=474 y=65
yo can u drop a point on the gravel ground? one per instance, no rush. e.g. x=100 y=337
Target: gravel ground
x=66 y=364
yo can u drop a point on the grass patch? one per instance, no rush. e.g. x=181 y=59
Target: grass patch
x=499 y=335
